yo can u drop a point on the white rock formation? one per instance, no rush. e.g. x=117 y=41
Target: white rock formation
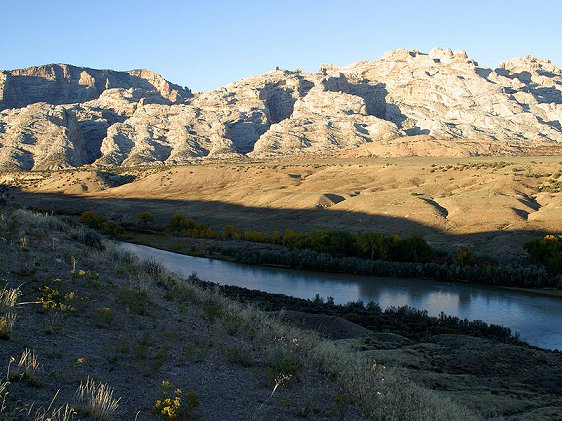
x=40 y=136
x=135 y=117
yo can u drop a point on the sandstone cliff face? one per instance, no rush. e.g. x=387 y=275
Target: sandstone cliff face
x=324 y=121
x=405 y=103
x=66 y=84
x=447 y=95
x=40 y=136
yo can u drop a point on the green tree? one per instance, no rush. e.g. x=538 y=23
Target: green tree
x=180 y=223
x=464 y=257
x=92 y=219
x=230 y=232
x=413 y=249
x=547 y=250
x=145 y=219
x=374 y=244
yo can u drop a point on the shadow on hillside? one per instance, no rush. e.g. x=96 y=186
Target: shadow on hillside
x=217 y=214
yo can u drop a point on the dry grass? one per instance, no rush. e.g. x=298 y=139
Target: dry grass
x=436 y=197
x=8 y=298
x=26 y=368
x=8 y=301
x=96 y=400
x=63 y=413
x=53 y=413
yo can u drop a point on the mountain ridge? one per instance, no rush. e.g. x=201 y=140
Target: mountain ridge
x=405 y=103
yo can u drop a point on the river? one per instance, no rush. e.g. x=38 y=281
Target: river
x=537 y=318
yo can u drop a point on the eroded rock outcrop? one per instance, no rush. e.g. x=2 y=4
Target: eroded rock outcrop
x=40 y=136
x=66 y=84
x=405 y=103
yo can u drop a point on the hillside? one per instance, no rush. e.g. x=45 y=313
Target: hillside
x=76 y=310
x=73 y=307
x=491 y=204
x=406 y=103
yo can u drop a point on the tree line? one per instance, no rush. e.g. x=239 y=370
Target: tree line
x=371 y=245
x=365 y=253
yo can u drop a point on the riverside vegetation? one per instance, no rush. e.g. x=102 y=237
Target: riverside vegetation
x=365 y=253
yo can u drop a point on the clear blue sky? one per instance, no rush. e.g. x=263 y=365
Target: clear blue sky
x=206 y=44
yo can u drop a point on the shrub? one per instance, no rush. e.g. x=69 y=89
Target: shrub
x=180 y=223
x=112 y=228
x=8 y=301
x=285 y=365
x=211 y=312
x=230 y=232
x=54 y=299
x=232 y=324
x=92 y=219
x=103 y=317
x=53 y=323
x=548 y=251
x=7 y=322
x=176 y=405
x=26 y=369
x=145 y=219
x=135 y=298
x=255 y=236
x=240 y=355
x=95 y=221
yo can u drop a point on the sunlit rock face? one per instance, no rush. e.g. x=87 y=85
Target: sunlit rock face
x=405 y=103
x=66 y=84
x=40 y=136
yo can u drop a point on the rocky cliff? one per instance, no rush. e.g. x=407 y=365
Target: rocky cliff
x=405 y=103
x=66 y=84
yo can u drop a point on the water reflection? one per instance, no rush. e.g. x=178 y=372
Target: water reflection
x=538 y=319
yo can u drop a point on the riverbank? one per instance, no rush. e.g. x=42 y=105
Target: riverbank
x=131 y=325
x=209 y=248
x=502 y=379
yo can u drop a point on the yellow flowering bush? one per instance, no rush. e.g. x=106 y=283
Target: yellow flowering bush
x=175 y=406
x=54 y=299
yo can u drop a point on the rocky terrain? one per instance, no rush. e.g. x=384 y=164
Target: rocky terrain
x=406 y=103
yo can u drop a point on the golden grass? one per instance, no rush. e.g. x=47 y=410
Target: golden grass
x=437 y=196
x=96 y=400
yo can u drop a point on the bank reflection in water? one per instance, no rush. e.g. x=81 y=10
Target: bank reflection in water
x=537 y=318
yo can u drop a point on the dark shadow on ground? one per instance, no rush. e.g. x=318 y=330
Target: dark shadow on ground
x=217 y=214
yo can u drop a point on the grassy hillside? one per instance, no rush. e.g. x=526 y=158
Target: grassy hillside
x=89 y=332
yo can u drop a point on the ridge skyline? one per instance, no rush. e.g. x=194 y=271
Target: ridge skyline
x=318 y=67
